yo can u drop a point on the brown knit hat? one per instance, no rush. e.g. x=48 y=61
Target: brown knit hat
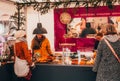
x=39 y=29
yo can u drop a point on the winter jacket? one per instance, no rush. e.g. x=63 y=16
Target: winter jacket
x=41 y=49
x=106 y=65
x=21 y=50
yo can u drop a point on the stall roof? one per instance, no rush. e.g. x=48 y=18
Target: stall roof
x=23 y=1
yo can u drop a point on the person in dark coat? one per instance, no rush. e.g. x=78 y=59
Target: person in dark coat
x=87 y=30
x=106 y=65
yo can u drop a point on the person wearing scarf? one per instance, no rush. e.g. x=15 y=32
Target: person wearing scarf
x=21 y=47
x=22 y=52
x=40 y=45
x=106 y=64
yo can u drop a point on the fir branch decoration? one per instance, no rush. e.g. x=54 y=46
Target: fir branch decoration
x=44 y=6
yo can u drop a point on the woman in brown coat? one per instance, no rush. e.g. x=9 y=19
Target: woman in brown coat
x=21 y=47
x=22 y=52
x=40 y=45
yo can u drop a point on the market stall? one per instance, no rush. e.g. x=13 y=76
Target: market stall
x=53 y=72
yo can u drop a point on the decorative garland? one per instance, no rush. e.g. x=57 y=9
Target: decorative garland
x=44 y=6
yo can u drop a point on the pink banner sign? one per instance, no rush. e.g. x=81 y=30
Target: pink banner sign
x=70 y=25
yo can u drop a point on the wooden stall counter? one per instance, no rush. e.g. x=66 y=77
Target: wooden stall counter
x=60 y=72
x=54 y=72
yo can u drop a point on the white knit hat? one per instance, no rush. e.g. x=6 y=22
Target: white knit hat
x=20 y=33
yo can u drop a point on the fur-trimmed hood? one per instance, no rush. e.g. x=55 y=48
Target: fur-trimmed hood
x=112 y=38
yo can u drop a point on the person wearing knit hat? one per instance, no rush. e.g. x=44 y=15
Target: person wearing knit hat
x=107 y=65
x=21 y=48
x=40 y=45
x=21 y=44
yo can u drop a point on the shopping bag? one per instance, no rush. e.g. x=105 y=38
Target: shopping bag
x=21 y=67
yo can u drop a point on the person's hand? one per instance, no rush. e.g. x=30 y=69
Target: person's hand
x=33 y=64
x=12 y=58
